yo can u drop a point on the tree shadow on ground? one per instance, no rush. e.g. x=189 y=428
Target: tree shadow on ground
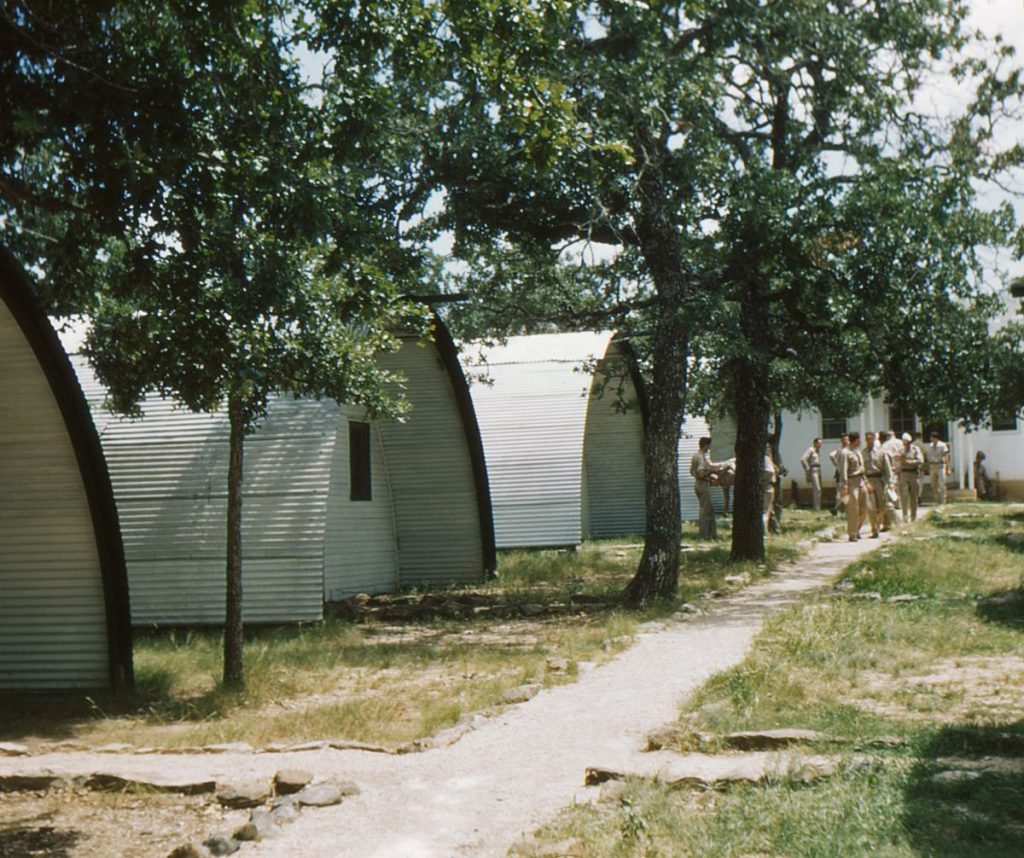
x=965 y=795
x=1005 y=607
x=21 y=839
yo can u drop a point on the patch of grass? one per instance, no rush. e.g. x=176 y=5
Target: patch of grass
x=936 y=674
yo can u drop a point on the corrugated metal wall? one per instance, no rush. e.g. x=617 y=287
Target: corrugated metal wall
x=432 y=480
x=169 y=472
x=53 y=630
x=532 y=410
x=613 y=452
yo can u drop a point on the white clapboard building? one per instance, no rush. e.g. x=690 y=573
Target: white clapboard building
x=334 y=503
x=64 y=610
x=562 y=420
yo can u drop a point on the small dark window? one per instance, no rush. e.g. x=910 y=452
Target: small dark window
x=901 y=420
x=359 y=461
x=1004 y=422
x=832 y=426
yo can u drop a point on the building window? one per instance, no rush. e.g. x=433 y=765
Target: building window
x=359 y=461
x=901 y=420
x=832 y=426
x=1004 y=422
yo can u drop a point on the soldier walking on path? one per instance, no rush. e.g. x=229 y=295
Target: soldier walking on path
x=936 y=454
x=910 y=461
x=811 y=461
x=702 y=470
x=852 y=486
x=878 y=473
x=833 y=457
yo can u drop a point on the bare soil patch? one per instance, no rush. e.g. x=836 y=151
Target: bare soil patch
x=949 y=691
x=73 y=823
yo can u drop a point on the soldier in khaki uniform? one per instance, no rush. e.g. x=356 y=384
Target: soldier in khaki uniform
x=833 y=457
x=878 y=473
x=702 y=470
x=911 y=461
x=811 y=461
x=936 y=454
x=853 y=487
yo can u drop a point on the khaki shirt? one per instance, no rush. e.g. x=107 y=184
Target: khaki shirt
x=910 y=459
x=700 y=466
x=811 y=459
x=876 y=463
x=937 y=453
x=851 y=465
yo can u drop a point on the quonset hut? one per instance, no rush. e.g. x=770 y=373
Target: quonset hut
x=562 y=418
x=64 y=620
x=333 y=503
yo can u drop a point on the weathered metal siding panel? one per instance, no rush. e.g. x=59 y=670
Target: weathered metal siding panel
x=432 y=479
x=532 y=417
x=52 y=614
x=614 y=453
x=360 y=551
x=169 y=472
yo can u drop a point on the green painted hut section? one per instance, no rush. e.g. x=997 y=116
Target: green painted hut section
x=64 y=603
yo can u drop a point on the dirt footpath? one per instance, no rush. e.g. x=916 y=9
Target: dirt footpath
x=511 y=774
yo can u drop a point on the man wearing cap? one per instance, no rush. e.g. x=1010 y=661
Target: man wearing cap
x=936 y=454
x=910 y=461
x=852 y=485
x=811 y=461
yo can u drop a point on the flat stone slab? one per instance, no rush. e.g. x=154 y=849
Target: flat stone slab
x=248 y=794
x=746 y=740
x=12 y=749
x=158 y=783
x=318 y=795
x=713 y=771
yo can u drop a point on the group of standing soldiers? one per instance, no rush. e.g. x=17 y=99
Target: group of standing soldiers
x=871 y=481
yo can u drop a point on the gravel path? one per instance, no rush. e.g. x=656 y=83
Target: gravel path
x=503 y=780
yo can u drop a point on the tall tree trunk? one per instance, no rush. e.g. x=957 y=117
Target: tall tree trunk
x=775 y=521
x=234 y=673
x=657 y=577
x=752 y=407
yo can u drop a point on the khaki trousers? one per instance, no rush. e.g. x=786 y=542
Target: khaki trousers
x=876 y=503
x=857 y=505
x=910 y=488
x=706 y=523
x=814 y=478
x=937 y=475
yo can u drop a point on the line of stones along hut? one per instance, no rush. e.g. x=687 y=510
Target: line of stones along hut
x=64 y=620
x=562 y=418
x=334 y=503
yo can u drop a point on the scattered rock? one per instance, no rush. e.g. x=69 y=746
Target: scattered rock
x=558 y=665
x=246 y=833
x=284 y=814
x=687 y=608
x=905 y=597
x=288 y=781
x=251 y=794
x=12 y=749
x=871 y=595
x=318 y=795
x=309 y=746
x=347 y=788
x=221 y=844
x=521 y=694
x=186 y=851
